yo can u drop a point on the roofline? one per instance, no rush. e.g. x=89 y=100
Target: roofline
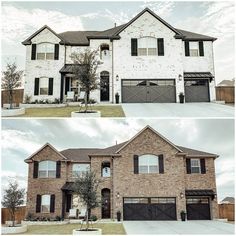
x=28 y=160
x=28 y=40
x=153 y=14
x=149 y=127
x=102 y=155
x=204 y=155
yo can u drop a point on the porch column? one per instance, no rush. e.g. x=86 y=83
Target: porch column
x=62 y=86
x=63 y=205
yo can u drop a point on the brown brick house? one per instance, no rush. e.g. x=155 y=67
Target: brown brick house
x=146 y=178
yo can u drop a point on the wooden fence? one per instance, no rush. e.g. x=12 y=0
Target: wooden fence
x=17 y=96
x=226 y=211
x=225 y=94
x=20 y=214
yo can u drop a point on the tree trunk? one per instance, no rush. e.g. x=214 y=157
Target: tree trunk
x=87 y=219
x=12 y=213
x=86 y=101
x=10 y=98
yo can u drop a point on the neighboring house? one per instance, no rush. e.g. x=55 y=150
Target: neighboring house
x=227 y=200
x=225 y=91
x=146 y=178
x=226 y=83
x=145 y=60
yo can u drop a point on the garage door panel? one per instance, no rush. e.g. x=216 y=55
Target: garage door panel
x=136 y=212
x=162 y=94
x=134 y=94
x=163 y=211
x=198 y=212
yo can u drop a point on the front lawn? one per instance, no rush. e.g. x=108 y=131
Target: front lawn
x=107 y=228
x=106 y=111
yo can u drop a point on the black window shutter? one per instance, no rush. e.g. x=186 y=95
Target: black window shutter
x=134 y=47
x=33 y=51
x=188 y=165
x=36 y=169
x=201 y=49
x=161 y=164
x=186 y=44
x=135 y=164
x=67 y=85
x=38 y=203
x=68 y=202
x=160 y=46
x=50 y=86
x=56 y=52
x=52 y=203
x=58 y=170
x=203 y=166
x=36 y=86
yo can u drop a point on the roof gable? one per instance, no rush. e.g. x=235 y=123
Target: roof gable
x=29 y=159
x=154 y=131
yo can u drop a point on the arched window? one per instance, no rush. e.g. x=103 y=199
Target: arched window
x=148 y=163
x=147 y=46
x=47 y=169
x=104 y=48
x=106 y=171
x=45 y=51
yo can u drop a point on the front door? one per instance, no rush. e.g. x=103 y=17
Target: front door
x=104 y=87
x=106 y=204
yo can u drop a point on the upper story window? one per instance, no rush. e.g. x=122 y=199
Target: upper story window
x=106 y=171
x=45 y=204
x=45 y=51
x=80 y=169
x=47 y=169
x=195 y=166
x=193 y=49
x=105 y=53
x=148 y=164
x=147 y=46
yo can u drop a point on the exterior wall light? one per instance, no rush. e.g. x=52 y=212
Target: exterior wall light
x=181 y=195
x=180 y=77
x=117 y=194
x=117 y=77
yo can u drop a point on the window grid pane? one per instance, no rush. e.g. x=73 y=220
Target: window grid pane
x=148 y=164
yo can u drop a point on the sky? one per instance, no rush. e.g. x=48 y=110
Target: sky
x=22 y=137
x=21 y=19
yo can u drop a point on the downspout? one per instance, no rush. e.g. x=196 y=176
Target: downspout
x=112 y=68
x=112 y=187
x=213 y=61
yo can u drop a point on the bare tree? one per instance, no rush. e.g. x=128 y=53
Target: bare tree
x=11 y=80
x=85 y=70
x=13 y=197
x=86 y=187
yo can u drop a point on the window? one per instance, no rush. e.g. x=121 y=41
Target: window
x=194 y=49
x=147 y=46
x=43 y=86
x=45 y=205
x=79 y=169
x=47 y=169
x=104 y=51
x=45 y=51
x=148 y=164
x=136 y=200
x=197 y=200
x=162 y=200
x=106 y=171
x=195 y=166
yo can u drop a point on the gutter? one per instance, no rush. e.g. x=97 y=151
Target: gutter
x=112 y=68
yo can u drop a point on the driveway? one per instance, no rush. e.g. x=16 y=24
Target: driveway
x=177 y=110
x=178 y=227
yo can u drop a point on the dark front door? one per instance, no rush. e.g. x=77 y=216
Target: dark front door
x=104 y=88
x=106 y=204
x=149 y=209
x=198 y=209
x=196 y=90
x=148 y=91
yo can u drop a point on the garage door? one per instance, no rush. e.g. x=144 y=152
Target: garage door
x=198 y=209
x=148 y=91
x=149 y=209
x=196 y=90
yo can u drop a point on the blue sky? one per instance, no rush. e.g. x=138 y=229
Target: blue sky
x=21 y=19
x=22 y=137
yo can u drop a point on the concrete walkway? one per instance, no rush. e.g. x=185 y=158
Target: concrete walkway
x=178 y=227
x=177 y=110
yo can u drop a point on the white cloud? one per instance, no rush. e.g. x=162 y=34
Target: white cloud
x=19 y=23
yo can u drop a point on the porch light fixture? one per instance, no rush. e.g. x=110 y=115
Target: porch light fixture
x=180 y=77
x=117 y=77
x=117 y=194
x=181 y=195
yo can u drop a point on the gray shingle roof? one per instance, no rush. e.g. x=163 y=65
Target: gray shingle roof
x=193 y=152
x=225 y=83
x=229 y=199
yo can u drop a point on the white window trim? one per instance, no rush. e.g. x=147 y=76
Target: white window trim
x=45 y=51
x=194 y=47
x=47 y=79
x=198 y=165
x=76 y=173
x=45 y=204
x=148 y=165
x=47 y=169
x=148 y=49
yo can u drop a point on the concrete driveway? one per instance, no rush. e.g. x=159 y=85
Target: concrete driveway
x=177 y=110
x=178 y=227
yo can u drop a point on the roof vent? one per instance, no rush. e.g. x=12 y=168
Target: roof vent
x=114 y=24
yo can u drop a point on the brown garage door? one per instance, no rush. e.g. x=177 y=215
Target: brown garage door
x=148 y=91
x=149 y=208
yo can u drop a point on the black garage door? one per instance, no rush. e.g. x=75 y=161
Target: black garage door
x=198 y=209
x=196 y=90
x=149 y=209
x=147 y=91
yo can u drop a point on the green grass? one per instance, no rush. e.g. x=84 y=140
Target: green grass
x=107 y=228
x=106 y=111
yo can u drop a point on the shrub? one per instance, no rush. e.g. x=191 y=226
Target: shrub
x=27 y=99
x=56 y=100
x=30 y=217
x=93 y=218
x=58 y=218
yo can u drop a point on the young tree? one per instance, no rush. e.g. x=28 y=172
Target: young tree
x=86 y=187
x=12 y=198
x=85 y=71
x=11 y=80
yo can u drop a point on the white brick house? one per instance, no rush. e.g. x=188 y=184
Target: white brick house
x=145 y=60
